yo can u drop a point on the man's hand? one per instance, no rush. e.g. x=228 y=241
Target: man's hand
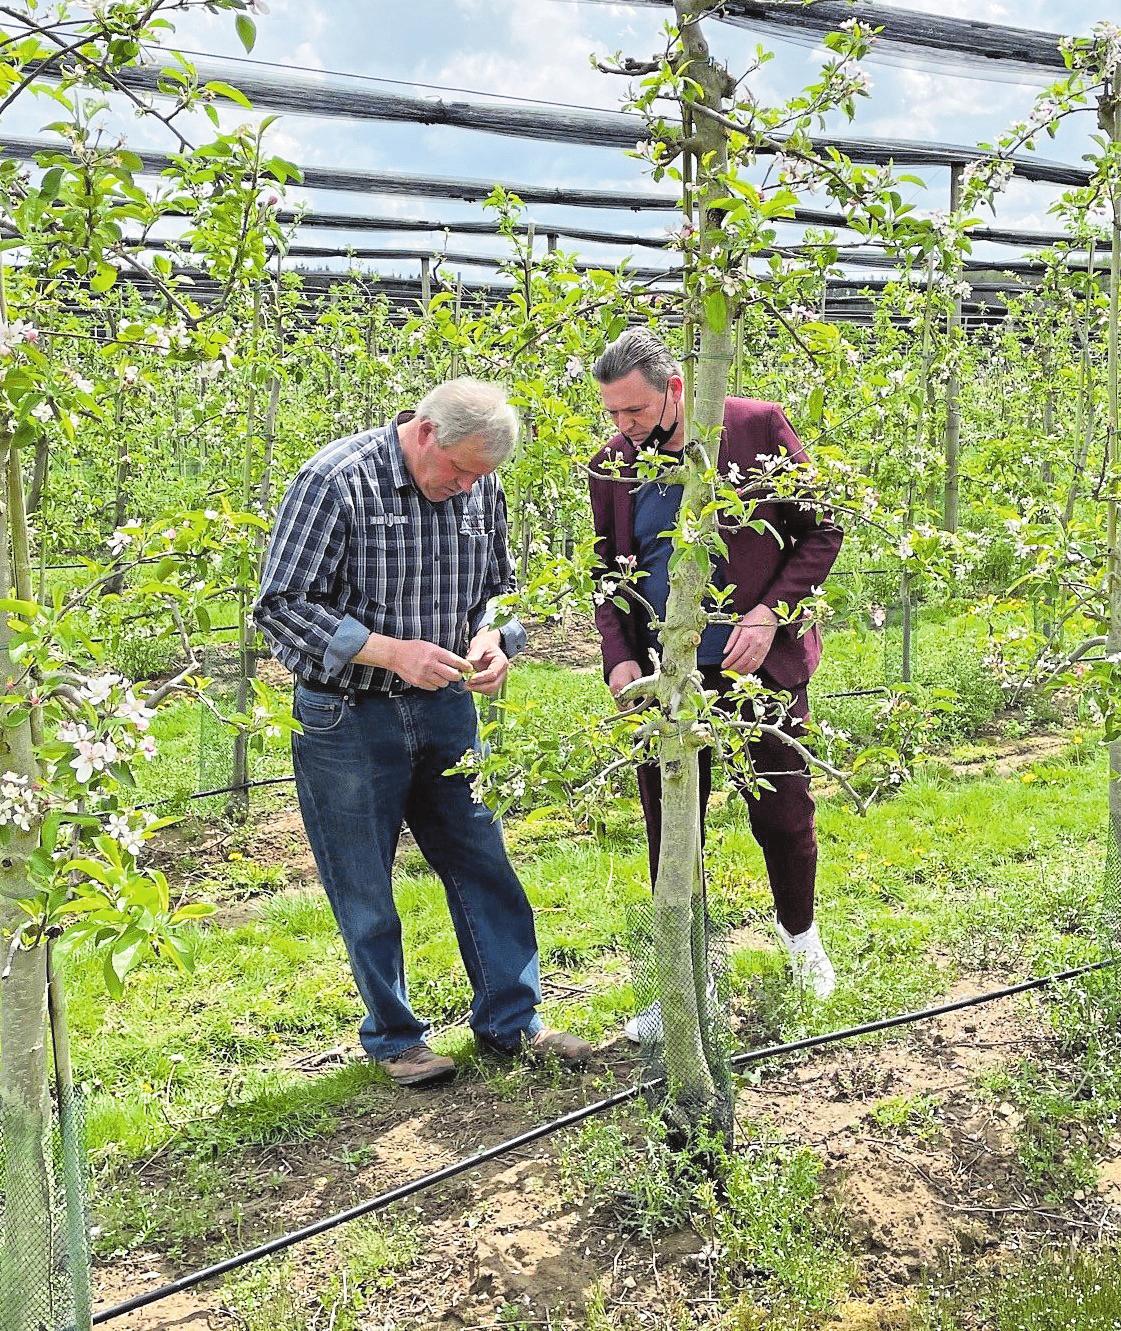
x=626 y=672
x=750 y=641
x=488 y=661
x=425 y=665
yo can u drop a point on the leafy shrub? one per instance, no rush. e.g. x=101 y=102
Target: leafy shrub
x=138 y=654
x=949 y=661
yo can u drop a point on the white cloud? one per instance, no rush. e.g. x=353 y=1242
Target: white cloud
x=529 y=50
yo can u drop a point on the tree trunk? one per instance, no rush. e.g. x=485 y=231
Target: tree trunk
x=1086 y=419
x=697 y=1081
x=237 y=805
x=25 y=1103
x=73 y=1241
x=38 y=475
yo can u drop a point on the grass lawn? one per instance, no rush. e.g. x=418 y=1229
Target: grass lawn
x=983 y=876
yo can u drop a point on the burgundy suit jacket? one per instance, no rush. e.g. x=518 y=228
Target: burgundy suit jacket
x=763 y=571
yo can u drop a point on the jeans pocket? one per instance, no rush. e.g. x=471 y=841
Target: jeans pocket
x=318 y=713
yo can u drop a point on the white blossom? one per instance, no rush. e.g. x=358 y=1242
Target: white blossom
x=19 y=802
x=133 y=710
x=97 y=688
x=93 y=756
x=130 y=837
x=11 y=335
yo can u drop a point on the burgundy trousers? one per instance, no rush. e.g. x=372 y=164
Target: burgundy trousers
x=782 y=820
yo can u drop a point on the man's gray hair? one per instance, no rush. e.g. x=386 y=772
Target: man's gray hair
x=636 y=349
x=467 y=408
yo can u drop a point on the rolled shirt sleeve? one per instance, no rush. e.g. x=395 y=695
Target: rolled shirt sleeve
x=294 y=610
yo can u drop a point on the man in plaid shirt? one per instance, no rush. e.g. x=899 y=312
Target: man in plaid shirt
x=388 y=550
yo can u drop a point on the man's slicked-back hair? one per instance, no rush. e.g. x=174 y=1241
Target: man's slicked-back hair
x=464 y=408
x=636 y=349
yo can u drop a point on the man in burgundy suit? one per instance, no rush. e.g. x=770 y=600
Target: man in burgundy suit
x=642 y=387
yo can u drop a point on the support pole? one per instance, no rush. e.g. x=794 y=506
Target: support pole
x=953 y=380
x=425 y=282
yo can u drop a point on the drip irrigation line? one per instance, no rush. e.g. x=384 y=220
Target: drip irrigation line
x=378 y=1203
x=922 y=1014
x=220 y=790
x=856 y=693
x=425 y=1181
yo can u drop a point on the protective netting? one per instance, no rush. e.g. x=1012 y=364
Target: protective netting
x=1106 y=985
x=44 y=1253
x=223 y=665
x=667 y=985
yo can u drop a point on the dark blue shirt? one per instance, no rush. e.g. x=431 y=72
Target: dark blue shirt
x=655 y=512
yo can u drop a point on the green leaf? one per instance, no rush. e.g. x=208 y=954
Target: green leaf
x=226 y=90
x=127 y=952
x=716 y=311
x=48 y=186
x=198 y=910
x=48 y=837
x=100 y=873
x=104 y=278
x=83 y=905
x=816 y=404
x=246 y=30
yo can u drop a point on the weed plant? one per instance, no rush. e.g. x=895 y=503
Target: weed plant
x=757 y=1210
x=1057 y=1290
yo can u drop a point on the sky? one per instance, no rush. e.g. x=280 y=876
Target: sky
x=542 y=49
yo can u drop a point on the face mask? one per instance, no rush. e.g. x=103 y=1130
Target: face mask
x=660 y=435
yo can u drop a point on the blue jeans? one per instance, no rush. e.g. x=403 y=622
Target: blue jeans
x=365 y=766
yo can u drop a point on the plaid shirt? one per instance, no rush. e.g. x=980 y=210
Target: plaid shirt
x=357 y=548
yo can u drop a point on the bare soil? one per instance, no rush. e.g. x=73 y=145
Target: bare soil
x=508 y=1233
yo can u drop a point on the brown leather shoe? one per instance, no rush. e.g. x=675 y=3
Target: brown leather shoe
x=418 y=1066
x=567 y=1049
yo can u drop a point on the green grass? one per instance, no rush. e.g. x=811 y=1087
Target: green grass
x=363 y=1261
x=989 y=872
x=1056 y=1290
x=758 y=1209
x=983 y=876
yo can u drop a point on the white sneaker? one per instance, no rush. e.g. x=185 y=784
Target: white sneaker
x=809 y=963
x=645 y=1027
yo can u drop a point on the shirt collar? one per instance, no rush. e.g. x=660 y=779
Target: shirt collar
x=398 y=468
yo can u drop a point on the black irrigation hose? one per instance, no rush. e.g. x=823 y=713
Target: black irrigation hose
x=855 y=693
x=923 y=1014
x=220 y=790
x=426 y=1181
